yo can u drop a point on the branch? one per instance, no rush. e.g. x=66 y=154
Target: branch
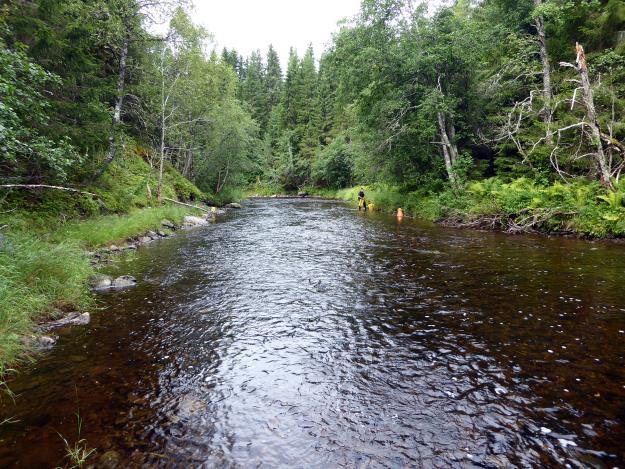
x=186 y=205
x=45 y=186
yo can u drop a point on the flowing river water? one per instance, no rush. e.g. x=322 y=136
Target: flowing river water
x=305 y=334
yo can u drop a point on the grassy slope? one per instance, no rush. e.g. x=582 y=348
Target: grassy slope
x=581 y=208
x=44 y=266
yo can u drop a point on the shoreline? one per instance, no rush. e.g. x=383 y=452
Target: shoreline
x=93 y=242
x=484 y=223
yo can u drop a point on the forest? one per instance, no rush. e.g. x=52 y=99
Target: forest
x=494 y=114
x=485 y=112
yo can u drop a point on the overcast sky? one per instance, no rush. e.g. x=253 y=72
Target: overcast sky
x=247 y=25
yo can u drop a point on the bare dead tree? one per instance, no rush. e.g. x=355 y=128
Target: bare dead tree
x=602 y=162
x=546 y=112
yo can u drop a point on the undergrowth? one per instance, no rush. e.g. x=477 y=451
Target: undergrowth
x=583 y=208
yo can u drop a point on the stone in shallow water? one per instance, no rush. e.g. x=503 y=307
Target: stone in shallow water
x=233 y=205
x=100 y=282
x=168 y=224
x=194 y=221
x=125 y=281
x=109 y=460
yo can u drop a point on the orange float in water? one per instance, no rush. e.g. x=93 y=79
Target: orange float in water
x=400 y=213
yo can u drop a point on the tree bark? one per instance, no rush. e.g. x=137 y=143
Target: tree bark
x=117 y=113
x=603 y=165
x=547 y=112
x=448 y=148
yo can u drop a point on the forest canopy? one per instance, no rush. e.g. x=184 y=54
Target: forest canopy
x=403 y=96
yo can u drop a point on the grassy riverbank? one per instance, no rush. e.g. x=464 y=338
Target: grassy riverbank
x=44 y=261
x=583 y=209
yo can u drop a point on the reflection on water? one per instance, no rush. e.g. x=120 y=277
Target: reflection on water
x=301 y=333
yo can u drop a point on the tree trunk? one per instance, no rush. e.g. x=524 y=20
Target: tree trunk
x=163 y=130
x=117 y=113
x=453 y=148
x=603 y=165
x=547 y=90
x=448 y=148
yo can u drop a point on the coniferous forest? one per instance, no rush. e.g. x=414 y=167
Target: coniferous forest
x=492 y=114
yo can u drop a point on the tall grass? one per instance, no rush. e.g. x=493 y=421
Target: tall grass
x=102 y=230
x=45 y=273
x=37 y=279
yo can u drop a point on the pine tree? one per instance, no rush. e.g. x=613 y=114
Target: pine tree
x=253 y=89
x=273 y=79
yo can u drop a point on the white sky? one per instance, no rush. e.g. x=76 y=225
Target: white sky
x=247 y=25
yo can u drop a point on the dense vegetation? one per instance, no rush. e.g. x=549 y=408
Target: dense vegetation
x=425 y=104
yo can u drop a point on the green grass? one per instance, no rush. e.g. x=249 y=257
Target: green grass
x=44 y=265
x=44 y=274
x=37 y=279
x=581 y=207
x=99 y=231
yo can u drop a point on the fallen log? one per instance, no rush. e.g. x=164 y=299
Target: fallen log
x=186 y=205
x=45 y=186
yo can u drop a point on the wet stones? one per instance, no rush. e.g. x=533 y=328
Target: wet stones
x=109 y=460
x=168 y=224
x=191 y=221
x=73 y=319
x=100 y=283
x=123 y=282
x=233 y=205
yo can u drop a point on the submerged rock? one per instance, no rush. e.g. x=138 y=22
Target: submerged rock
x=233 y=205
x=109 y=460
x=194 y=221
x=125 y=281
x=73 y=319
x=40 y=342
x=100 y=282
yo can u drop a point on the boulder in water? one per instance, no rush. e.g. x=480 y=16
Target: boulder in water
x=234 y=205
x=73 y=319
x=168 y=224
x=125 y=281
x=191 y=221
x=101 y=282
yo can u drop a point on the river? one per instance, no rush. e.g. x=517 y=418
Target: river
x=302 y=333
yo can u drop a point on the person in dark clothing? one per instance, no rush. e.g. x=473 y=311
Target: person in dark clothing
x=362 y=203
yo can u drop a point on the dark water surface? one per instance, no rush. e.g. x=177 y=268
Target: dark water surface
x=305 y=334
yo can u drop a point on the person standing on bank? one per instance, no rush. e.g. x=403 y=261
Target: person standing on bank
x=362 y=203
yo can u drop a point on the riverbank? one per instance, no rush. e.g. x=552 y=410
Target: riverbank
x=48 y=238
x=44 y=274
x=581 y=209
